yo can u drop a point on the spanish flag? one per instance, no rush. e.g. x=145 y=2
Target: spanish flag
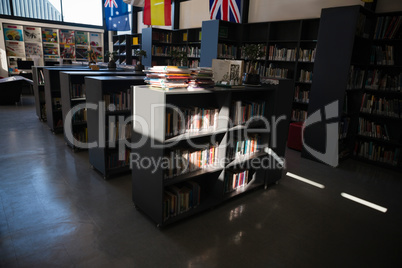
x=158 y=12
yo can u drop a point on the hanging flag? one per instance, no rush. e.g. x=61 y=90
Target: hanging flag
x=136 y=3
x=116 y=13
x=157 y=12
x=228 y=10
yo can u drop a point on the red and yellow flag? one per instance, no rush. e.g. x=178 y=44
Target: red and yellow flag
x=158 y=12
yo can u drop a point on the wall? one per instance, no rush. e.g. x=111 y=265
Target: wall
x=193 y=12
x=388 y=6
x=3 y=66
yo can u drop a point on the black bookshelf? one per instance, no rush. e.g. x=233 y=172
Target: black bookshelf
x=53 y=95
x=73 y=92
x=342 y=55
x=105 y=155
x=125 y=45
x=379 y=136
x=38 y=79
x=160 y=43
x=216 y=181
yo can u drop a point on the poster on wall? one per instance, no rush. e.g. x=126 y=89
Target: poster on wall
x=49 y=35
x=13 y=32
x=81 y=38
x=15 y=49
x=32 y=34
x=33 y=49
x=96 y=40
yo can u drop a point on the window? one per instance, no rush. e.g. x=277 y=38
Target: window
x=38 y=9
x=5 y=8
x=83 y=11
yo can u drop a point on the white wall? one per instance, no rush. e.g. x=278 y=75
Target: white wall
x=193 y=12
x=3 y=66
x=388 y=6
x=276 y=10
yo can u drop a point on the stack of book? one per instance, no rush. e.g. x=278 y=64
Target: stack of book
x=168 y=77
x=201 y=78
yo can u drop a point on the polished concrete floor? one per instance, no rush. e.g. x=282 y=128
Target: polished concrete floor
x=57 y=212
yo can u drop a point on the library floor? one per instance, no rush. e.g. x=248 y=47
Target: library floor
x=57 y=212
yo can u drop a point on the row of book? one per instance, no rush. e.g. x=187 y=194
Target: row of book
x=302 y=95
x=355 y=78
x=272 y=71
x=244 y=147
x=388 y=27
x=381 y=80
x=80 y=116
x=344 y=127
x=306 y=76
x=307 y=55
x=282 y=54
x=162 y=37
x=81 y=136
x=382 y=55
x=161 y=50
x=376 y=152
x=372 y=129
x=191 y=51
x=180 y=161
x=77 y=91
x=113 y=159
x=235 y=180
x=227 y=51
x=381 y=106
x=298 y=115
x=190 y=119
x=243 y=111
x=118 y=100
x=180 y=198
x=119 y=132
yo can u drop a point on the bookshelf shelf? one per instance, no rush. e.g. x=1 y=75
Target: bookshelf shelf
x=152 y=189
x=108 y=159
x=72 y=85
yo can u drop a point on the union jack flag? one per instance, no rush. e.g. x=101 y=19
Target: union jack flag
x=228 y=10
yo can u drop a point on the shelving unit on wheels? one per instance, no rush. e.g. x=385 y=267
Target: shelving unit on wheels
x=73 y=92
x=112 y=96
x=212 y=145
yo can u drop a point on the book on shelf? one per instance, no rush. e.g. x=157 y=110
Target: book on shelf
x=243 y=111
x=181 y=161
x=281 y=54
x=244 y=147
x=191 y=119
x=388 y=27
x=181 y=198
x=235 y=180
x=135 y=40
x=118 y=100
x=372 y=129
x=377 y=152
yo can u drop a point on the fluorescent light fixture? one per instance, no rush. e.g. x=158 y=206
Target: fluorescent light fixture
x=364 y=202
x=294 y=176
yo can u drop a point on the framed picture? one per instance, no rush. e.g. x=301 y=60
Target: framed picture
x=227 y=72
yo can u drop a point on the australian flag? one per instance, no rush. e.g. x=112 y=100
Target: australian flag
x=116 y=14
x=228 y=10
